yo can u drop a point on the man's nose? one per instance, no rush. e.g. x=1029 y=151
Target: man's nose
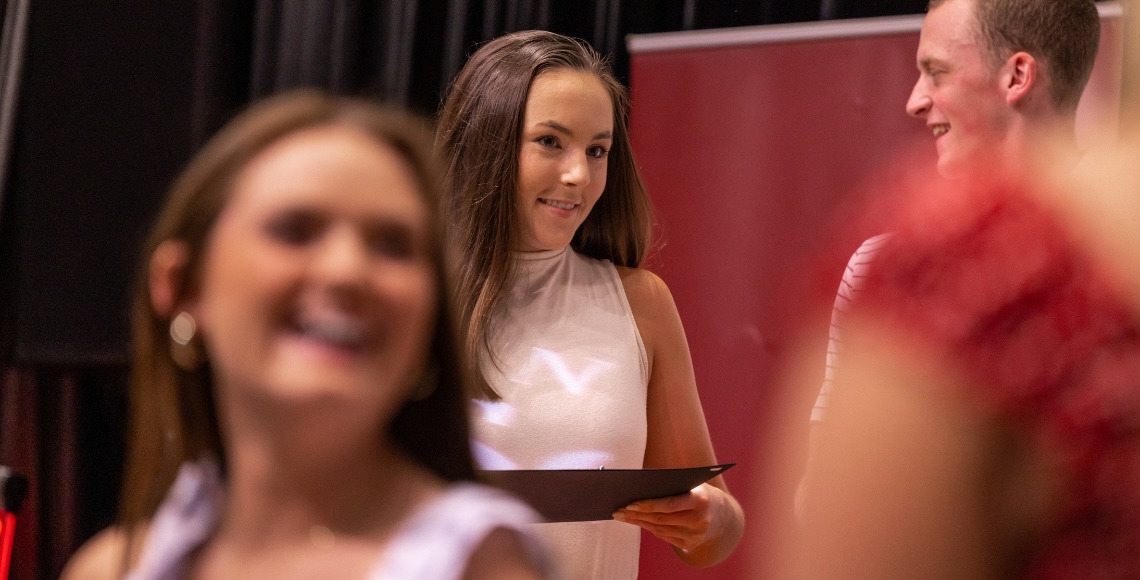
x=918 y=105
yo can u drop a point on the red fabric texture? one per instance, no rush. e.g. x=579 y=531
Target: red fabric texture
x=985 y=274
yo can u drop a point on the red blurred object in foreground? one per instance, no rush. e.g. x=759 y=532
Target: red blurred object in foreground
x=7 y=534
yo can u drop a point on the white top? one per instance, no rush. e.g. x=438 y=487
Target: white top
x=849 y=288
x=434 y=543
x=573 y=376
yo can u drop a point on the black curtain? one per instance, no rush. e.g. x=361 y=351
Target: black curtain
x=406 y=51
x=115 y=96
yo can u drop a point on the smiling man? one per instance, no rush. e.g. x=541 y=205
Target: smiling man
x=929 y=464
x=998 y=79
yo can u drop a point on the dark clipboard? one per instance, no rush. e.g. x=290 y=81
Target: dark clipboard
x=581 y=495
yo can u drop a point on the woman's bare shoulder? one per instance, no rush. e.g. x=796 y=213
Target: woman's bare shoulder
x=101 y=557
x=644 y=289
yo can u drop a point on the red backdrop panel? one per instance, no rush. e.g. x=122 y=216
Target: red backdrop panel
x=749 y=139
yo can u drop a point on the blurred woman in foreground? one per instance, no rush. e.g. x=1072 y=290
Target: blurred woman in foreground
x=298 y=397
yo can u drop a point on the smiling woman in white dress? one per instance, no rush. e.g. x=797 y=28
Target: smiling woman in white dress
x=582 y=356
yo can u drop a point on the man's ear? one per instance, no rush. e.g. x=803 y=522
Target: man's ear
x=166 y=275
x=1019 y=76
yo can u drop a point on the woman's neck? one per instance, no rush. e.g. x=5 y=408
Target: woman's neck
x=287 y=516
x=283 y=494
x=284 y=520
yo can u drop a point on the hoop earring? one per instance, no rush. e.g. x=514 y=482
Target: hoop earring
x=184 y=348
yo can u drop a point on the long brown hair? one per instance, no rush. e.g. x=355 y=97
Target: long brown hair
x=172 y=412
x=479 y=136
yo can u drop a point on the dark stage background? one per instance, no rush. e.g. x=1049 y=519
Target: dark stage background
x=113 y=96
